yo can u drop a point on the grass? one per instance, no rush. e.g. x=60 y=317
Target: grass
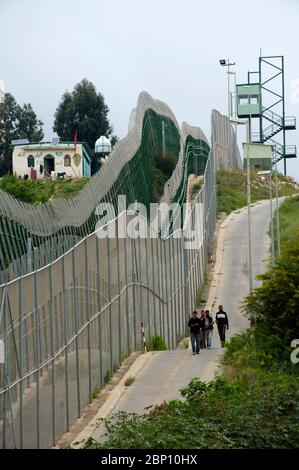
x=107 y=377
x=39 y=191
x=288 y=219
x=95 y=392
x=231 y=192
x=129 y=381
x=157 y=343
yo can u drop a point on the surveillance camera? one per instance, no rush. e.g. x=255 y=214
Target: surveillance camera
x=222 y=62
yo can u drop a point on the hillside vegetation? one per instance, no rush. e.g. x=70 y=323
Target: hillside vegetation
x=255 y=402
x=39 y=191
x=232 y=188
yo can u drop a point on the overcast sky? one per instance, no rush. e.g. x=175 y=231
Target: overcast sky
x=169 y=48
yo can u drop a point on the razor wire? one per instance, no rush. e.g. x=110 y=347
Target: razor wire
x=37 y=235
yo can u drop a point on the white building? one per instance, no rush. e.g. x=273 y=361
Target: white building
x=48 y=160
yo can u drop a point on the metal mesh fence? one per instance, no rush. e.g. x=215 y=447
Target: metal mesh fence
x=224 y=142
x=33 y=236
x=67 y=325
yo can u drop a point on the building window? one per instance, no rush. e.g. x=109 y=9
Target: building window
x=254 y=99
x=67 y=160
x=30 y=161
x=243 y=100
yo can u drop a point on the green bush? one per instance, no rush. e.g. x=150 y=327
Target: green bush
x=157 y=343
x=274 y=305
x=253 y=411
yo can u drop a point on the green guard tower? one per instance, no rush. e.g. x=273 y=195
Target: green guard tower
x=264 y=99
x=248 y=100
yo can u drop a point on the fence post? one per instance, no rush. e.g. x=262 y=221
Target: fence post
x=21 y=353
x=118 y=293
x=65 y=338
x=147 y=290
x=101 y=378
x=170 y=310
x=3 y=313
x=37 y=355
x=87 y=298
x=160 y=287
x=75 y=316
x=127 y=296
x=110 y=307
x=153 y=283
x=53 y=350
x=166 y=268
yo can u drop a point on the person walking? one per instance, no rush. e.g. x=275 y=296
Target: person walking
x=209 y=322
x=202 y=330
x=222 y=324
x=195 y=325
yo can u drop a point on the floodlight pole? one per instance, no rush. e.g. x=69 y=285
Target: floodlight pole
x=248 y=141
x=227 y=63
x=271 y=220
x=248 y=206
x=277 y=209
x=228 y=91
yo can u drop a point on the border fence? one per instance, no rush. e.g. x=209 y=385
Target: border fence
x=67 y=325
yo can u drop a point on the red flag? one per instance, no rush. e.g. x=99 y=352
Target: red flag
x=75 y=139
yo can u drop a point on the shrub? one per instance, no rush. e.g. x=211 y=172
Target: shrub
x=157 y=343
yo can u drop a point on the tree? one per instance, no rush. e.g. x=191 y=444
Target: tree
x=274 y=305
x=29 y=127
x=16 y=122
x=84 y=110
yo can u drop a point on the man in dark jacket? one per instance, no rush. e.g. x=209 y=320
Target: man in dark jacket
x=208 y=328
x=202 y=333
x=194 y=325
x=222 y=323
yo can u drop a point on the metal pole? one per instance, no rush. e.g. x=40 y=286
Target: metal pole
x=134 y=277
x=120 y=332
x=29 y=255
x=171 y=289
x=127 y=298
x=5 y=366
x=21 y=351
x=159 y=286
x=65 y=339
x=153 y=283
x=271 y=222
x=88 y=309
x=283 y=116
x=147 y=293
x=167 y=289
x=53 y=350
x=277 y=208
x=37 y=356
x=101 y=374
x=228 y=91
x=76 y=326
x=110 y=307
x=248 y=205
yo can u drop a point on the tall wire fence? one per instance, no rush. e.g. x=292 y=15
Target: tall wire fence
x=67 y=325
